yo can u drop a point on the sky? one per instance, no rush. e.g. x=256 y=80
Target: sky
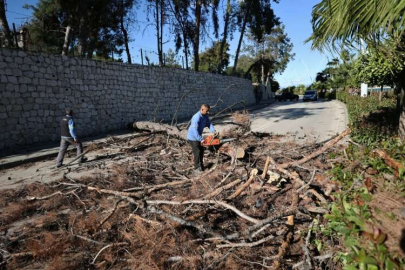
x=294 y=14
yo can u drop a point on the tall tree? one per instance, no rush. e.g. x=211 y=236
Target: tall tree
x=125 y=16
x=201 y=13
x=271 y=54
x=4 y=23
x=258 y=17
x=228 y=26
x=159 y=10
x=58 y=25
x=338 y=23
x=181 y=26
x=170 y=59
x=82 y=27
x=209 y=58
x=375 y=69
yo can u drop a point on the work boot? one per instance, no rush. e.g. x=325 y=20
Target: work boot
x=83 y=159
x=197 y=171
x=58 y=166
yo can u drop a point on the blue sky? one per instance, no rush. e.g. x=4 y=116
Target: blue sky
x=295 y=15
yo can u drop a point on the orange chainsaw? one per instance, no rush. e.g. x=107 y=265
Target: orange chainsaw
x=212 y=140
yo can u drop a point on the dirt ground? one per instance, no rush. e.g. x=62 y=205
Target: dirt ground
x=138 y=204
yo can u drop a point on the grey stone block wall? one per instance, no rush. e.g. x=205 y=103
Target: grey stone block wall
x=35 y=88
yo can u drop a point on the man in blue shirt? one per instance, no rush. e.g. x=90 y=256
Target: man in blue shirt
x=199 y=121
x=68 y=136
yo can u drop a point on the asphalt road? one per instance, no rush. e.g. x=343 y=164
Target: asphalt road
x=305 y=121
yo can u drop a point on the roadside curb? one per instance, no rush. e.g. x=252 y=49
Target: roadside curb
x=346 y=113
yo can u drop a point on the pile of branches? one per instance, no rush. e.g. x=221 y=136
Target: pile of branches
x=146 y=209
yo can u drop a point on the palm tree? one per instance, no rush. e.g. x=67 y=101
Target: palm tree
x=345 y=23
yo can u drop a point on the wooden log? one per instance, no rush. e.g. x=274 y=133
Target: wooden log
x=159 y=127
x=394 y=164
x=317 y=152
x=227 y=149
x=266 y=167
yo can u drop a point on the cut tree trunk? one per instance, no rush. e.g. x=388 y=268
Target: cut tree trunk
x=227 y=149
x=157 y=127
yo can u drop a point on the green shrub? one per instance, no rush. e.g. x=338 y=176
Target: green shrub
x=371 y=121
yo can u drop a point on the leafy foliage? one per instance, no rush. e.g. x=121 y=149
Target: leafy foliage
x=375 y=68
x=97 y=32
x=351 y=218
x=371 y=121
x=209 y=58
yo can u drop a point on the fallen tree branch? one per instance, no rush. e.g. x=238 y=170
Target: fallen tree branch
x=298 y=180
x=306 y=249
x=135 y=216
x=88 y=239
x=223 y=204
x=108 y=246
x=110 y=215
x=220 y=189
x=319 y=258
x=318 y=152
x=116 y=193
x=156 y=187
x=31 y=198
x=266 y=167
x=183 y=222
x=263 y=222
x=309 y=182
x=261 y=241
x=253 y=174
x=290 y=225
x=182 y=135
x=394 y=164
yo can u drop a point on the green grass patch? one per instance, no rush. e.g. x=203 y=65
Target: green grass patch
x=351 y=221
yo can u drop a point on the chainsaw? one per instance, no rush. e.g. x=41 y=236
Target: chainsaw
x=212 y=140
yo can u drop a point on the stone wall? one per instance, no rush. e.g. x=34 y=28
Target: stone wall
x=35 y=88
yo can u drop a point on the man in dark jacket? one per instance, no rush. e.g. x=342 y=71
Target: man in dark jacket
x=199 y=121
x=68 y=137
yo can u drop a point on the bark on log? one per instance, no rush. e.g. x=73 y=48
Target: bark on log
x=158 y=127
x=318 y=152
x=226 y=149
x=394 y=164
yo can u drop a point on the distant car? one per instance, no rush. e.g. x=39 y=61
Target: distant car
x=287 y=96
x=310 y=95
